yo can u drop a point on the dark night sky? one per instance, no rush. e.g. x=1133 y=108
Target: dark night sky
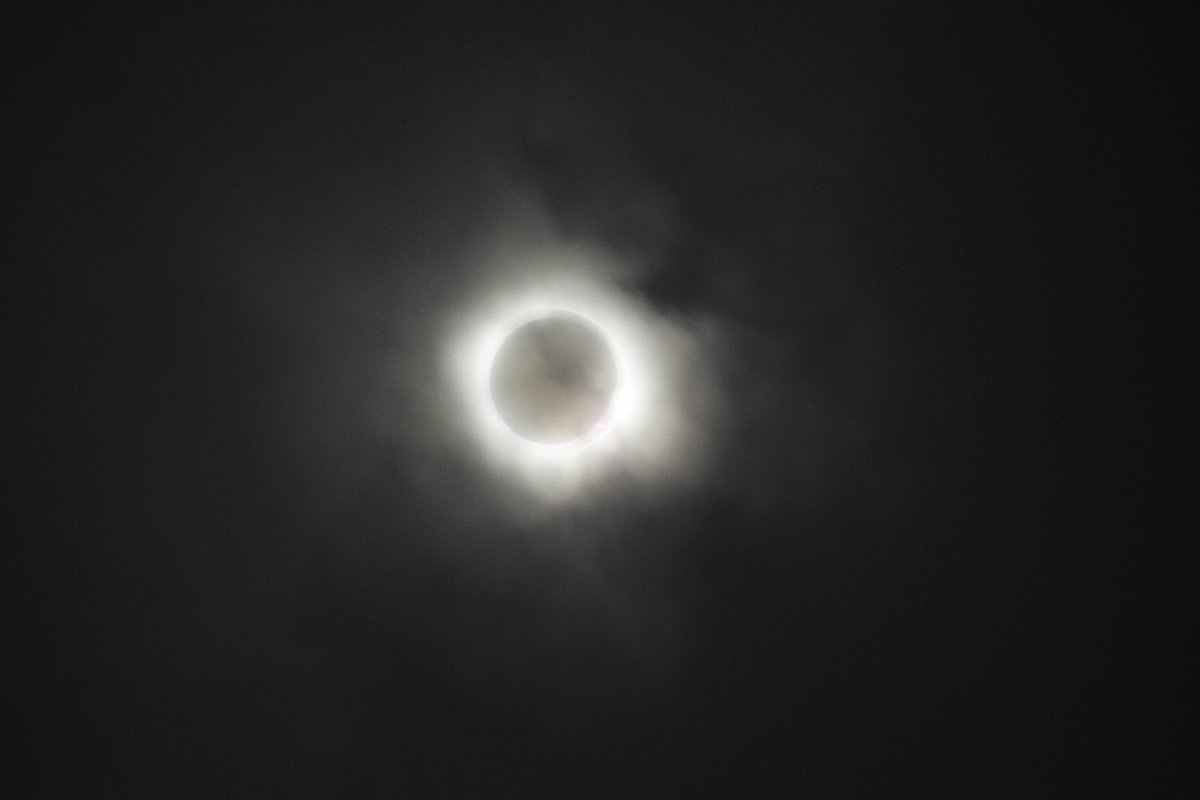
x=920 y=551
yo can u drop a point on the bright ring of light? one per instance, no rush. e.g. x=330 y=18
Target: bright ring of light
x=625 y=433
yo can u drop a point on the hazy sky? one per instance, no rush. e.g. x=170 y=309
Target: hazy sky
x=859 y=535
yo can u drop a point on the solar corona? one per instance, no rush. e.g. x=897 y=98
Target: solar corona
x=564 y=380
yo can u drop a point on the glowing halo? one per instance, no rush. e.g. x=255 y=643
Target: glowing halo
x=640 y=431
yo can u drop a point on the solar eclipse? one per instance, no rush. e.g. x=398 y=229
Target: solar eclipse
x=567 y=384
x=553 y=378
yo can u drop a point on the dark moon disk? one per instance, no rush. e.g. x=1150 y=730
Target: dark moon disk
x=552 y=378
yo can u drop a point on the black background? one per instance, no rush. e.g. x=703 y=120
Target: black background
x=941 y=228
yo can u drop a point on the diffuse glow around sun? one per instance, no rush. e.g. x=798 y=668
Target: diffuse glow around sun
x=641 y=432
